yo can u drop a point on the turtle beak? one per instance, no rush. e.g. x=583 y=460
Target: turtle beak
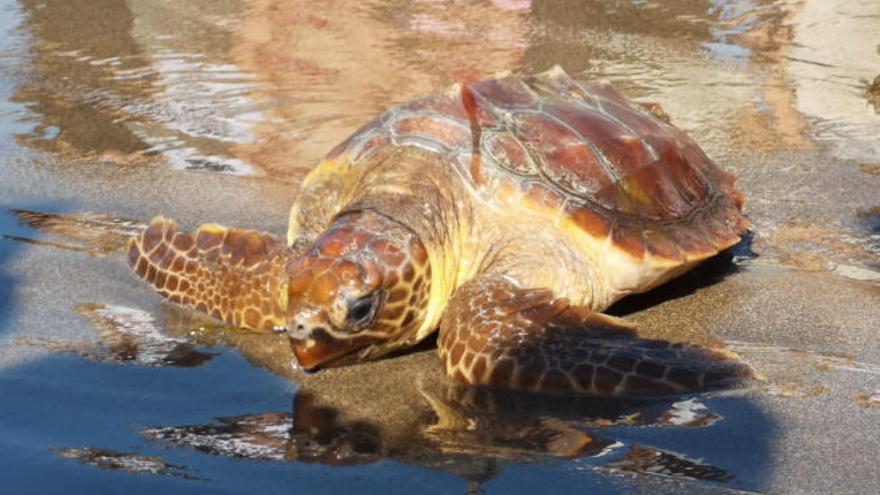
x=318 y=348
x=310 y=339
x=315 y=346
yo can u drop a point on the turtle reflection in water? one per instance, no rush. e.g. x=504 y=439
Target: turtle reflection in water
x=471 y=437
x=508 y=213
x=337 y=419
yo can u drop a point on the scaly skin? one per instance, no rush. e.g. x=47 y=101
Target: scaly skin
x=363 y=256
x=252 y=280
x=495 y=333
x=233 y=275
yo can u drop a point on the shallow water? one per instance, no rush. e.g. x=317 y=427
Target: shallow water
x=113 y=111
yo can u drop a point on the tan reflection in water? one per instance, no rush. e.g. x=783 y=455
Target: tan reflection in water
x=78 y=45
x=812 y=247
x=867 y=401
x=334 y=65
x=136 y=82
x=774 y=121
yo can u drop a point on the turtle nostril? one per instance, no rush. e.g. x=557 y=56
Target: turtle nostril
x=298 y=330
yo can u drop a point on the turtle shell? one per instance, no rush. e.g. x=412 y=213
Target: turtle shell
x=614 y=168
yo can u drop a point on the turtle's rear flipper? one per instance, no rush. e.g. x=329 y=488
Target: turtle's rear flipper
x=495 y=333
x=238 y=276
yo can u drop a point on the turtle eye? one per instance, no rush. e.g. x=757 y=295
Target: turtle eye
x=362 y=311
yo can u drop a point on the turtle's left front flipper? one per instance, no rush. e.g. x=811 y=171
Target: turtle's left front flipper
x=495 y=333
x=238 y=276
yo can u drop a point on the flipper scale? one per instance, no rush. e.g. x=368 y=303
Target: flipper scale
x=234 y=275
x=494 y=333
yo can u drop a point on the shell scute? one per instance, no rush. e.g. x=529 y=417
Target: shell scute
x=617 y=143
x=544 y=195
x=717 y=229
x=614 y=202
x=565 y=159
x=504 y=94
x=628 y=237
x=658 y=243
x=460 y=103
x=627 y=160
x=688 y=174
x=367 y=130
x=368 y=146
x=509 y=153
x=600 y=92
x=433 y=128
x=654 y=193
x=556 y=84
x=591 y=222
x=686 y=165
x=691 y=238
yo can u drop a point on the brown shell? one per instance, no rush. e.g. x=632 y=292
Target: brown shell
x=614 y=167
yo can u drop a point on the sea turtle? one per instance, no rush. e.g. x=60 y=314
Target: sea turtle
x=508 y=213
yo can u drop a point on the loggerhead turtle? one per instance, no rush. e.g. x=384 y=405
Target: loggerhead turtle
x=508 y=213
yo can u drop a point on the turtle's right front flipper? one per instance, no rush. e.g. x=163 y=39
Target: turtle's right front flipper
x=495 y=333
x=238 y=276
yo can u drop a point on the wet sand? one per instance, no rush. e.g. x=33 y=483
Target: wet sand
x=213 y=111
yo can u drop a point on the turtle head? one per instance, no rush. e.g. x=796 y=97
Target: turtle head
x=359 y=292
